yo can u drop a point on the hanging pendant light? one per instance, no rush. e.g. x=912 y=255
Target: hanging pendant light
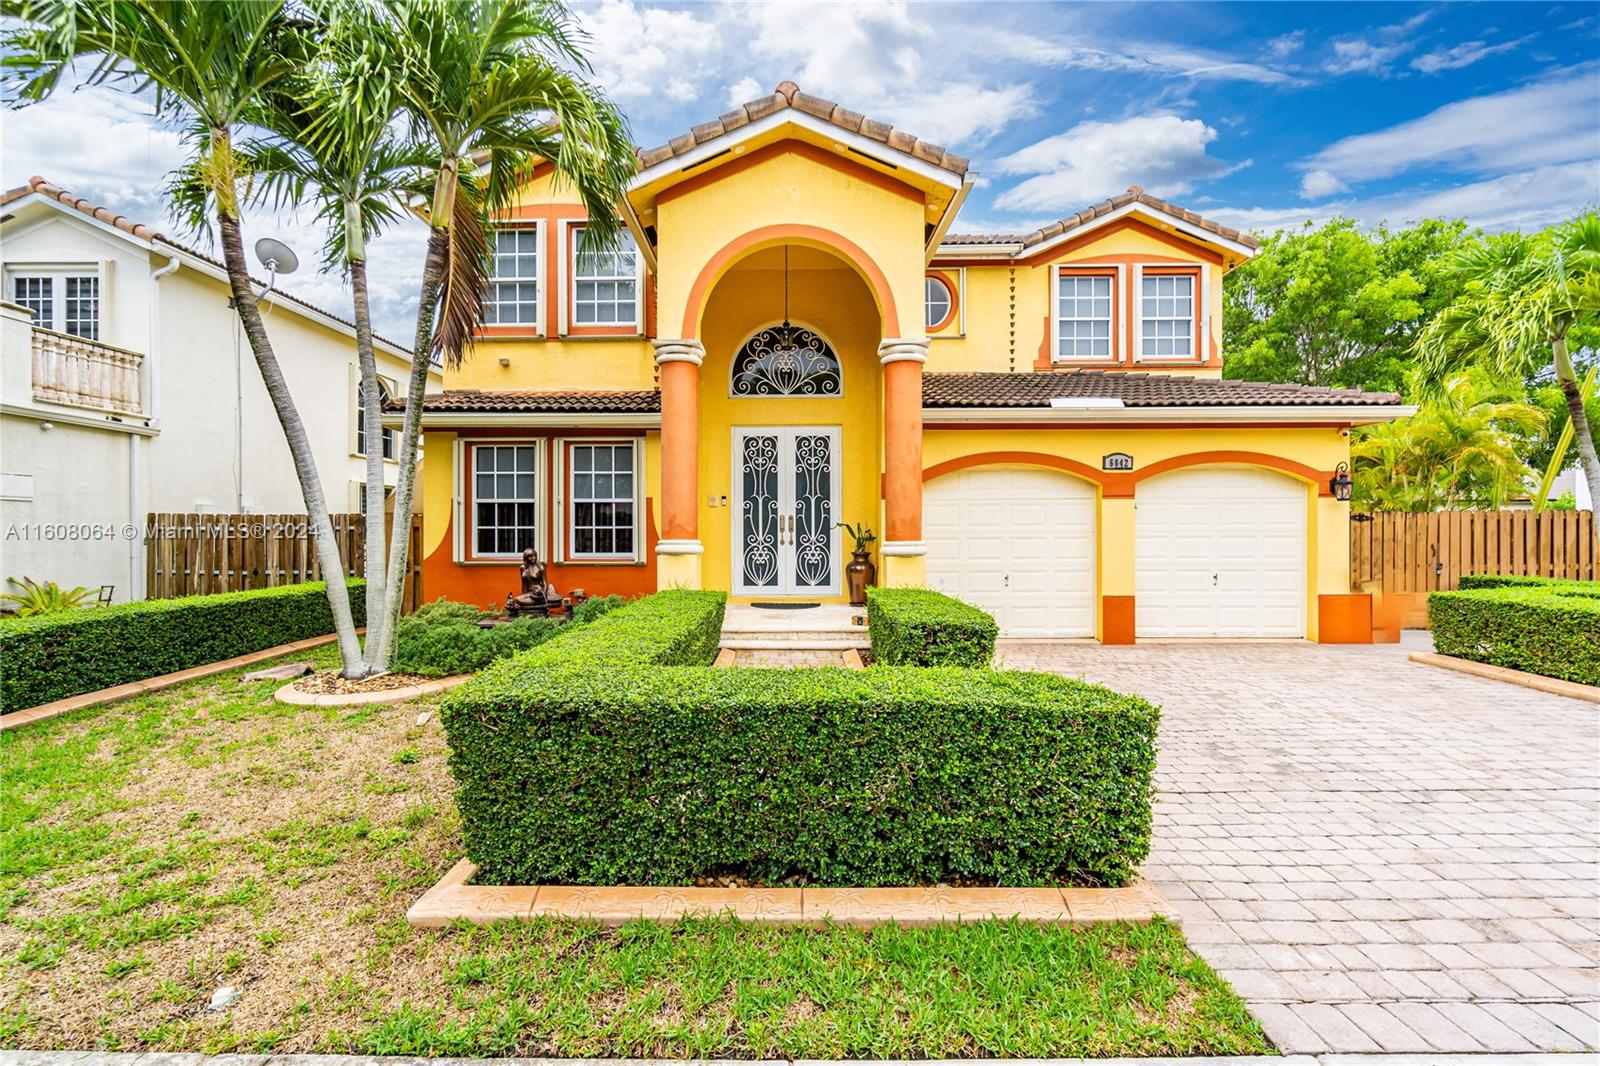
x=786 y=357
x=785 y=360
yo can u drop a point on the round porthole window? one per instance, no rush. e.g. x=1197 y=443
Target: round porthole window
x=937 y=302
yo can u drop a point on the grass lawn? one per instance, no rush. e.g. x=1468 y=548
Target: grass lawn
x=207 y=835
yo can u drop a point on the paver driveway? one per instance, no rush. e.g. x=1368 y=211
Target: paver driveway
x=1379 y=855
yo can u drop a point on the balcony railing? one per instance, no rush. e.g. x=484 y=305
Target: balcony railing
x=84 y=373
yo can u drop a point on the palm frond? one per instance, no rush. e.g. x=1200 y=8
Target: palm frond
x=466 y=277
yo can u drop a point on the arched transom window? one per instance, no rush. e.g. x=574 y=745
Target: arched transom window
x=785 y=360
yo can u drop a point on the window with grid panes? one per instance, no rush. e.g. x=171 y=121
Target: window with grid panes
x=35 y=293
x=1083 y=316
x=80 y=312
x=1166 y=329
x=602 y=500
x=604 y=282
x=504 y=499
x=513 y=298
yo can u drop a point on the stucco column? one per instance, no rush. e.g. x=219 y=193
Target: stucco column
x=902 y=551
x=1117 y=605
x=679 y=549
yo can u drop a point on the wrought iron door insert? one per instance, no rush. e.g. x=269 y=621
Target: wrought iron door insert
x=787 y=503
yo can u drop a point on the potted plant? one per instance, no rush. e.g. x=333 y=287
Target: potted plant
x=860 y=572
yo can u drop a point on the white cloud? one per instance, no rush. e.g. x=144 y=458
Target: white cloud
x=744 y=90
x=1375 y=53
x=1542 y=124
x=1155 y=59
x=1164 y=154
x=1320 y=183
x=644 y=53
x=1524 y=200
x=1462 y=55
x=1287 y=44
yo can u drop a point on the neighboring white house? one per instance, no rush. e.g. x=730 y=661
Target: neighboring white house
x=126 y=387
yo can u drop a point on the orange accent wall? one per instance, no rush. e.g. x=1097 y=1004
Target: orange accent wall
x=1344 y=619
x=680 y=450
x=902 y=450
x=1054 y=462
x=814 y=236
x=729 y=166
x=1116 y=619
x=1319 y=478
x=1118 y=485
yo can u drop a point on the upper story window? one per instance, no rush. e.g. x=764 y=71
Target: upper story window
x=605 y=282
x=1166 y=311
x=361 y=422
x=513 y=298
x=937 y=302
x=504 y=499
x=1083 y=317
x=65 y=301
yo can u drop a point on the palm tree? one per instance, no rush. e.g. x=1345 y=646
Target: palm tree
x=1522 y=297
x=1463 y=449
x=209 y=65
x=487 y=87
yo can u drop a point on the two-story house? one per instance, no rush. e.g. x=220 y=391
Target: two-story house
x=128 y=388
x=790 y=337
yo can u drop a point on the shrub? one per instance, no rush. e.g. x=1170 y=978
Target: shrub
x=443 y=638
x=916 y=627
x=589 y=610
x=1503 y=581
x=52 y=656
x=609 y=755
x=888 y=776
x=1549 y=628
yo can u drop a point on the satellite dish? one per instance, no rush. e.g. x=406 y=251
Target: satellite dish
x=276 y=256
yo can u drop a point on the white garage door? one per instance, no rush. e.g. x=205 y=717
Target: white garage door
x=1018 y=542
x=1220 y=552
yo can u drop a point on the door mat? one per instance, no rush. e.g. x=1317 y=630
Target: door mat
x=785 y=606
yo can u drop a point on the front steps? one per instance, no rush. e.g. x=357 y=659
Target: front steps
x=828 y=628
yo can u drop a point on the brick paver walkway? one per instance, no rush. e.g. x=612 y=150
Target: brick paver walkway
x=1380 y=855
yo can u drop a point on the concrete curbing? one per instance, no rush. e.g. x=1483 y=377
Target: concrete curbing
x=1553 y=685
x=288 y=694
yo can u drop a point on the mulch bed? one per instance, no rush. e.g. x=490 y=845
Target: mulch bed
x=329 y=683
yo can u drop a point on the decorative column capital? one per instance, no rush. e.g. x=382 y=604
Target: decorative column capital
x=679 y=351
x=902 y=548
x=903 y=350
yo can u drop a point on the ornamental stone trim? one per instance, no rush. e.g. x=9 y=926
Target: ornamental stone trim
x=679 y=547
x=903 y=548
x=679 y=351
x=903 y=350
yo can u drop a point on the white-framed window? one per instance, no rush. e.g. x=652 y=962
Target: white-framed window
x=505 y=499
x=389 y=432
x=1166 y=316
x=515 y=277
x=937 y=299
x=1084 y=317
x=602 y=500
x=65 y=301
x=605 y=282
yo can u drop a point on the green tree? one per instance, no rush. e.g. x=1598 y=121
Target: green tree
x=1462 y=449
x=1522 y=298
x=487 y=87
x=1332 y=305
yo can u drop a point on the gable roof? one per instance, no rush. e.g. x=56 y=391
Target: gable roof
x=50 y=191
x=787 y=96
x=1134 y=195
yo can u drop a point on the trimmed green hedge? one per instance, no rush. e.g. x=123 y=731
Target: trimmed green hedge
x=1551 y=628
x=1504 y=581
x=916 y=627
x=53 y=656
x=592 y=759
x=443 y=638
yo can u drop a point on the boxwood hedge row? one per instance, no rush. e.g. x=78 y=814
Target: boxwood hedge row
x=1502 y=581
x=1550 y=628
x=52 y=656
x=917 y=627
x=588 y=761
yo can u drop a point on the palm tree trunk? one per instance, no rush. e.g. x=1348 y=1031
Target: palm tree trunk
x=1581 y=433
x=294 y=430
x=376 y=570
x=433 y=272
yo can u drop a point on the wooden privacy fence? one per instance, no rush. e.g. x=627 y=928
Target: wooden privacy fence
x=201 y=554
x=1397 y=553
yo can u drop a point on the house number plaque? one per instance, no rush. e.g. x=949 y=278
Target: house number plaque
x=1116 y=461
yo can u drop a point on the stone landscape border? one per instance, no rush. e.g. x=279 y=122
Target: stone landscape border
x=452 y=899
x=1554 y=685
x=288 y=694
x=116 y=693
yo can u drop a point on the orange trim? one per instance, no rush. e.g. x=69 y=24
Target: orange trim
x=680 y=451
x=810 y=236
x=953 y=289
x=541 y=213
x=931 y=426
x=1200 y=356
x=728 y=165
x=1305 y=473
x=1344 y=619
x=1054 y=462
x=1051 y=254
x=902 y=450
x=1047 y=357
x=1116 y=620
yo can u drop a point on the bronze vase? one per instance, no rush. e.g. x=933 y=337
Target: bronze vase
x=860 y=573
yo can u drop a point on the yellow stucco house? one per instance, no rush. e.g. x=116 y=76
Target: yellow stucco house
x=791 y=338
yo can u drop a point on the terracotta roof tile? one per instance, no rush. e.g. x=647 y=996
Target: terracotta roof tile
x=1037 y=389
x=1094 y=211
x=643 y=401
x=37 y=184
x=788 y=95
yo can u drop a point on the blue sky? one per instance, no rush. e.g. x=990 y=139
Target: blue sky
x=1259 y=115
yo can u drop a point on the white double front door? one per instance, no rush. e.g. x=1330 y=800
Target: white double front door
x=785 y=510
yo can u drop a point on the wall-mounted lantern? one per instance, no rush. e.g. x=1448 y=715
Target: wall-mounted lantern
x=1340 y=483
